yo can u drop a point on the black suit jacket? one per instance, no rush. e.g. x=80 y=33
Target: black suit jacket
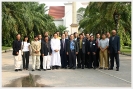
x=114 y=44
x=83 y=45
x=75 y=46
x=44 y=49
x=16 y=46
x=93 y=48
x=86 y=46
x=65 y=46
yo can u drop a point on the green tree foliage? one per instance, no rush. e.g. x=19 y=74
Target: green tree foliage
x=98 y=18
x=26 y=18
x=61 y=28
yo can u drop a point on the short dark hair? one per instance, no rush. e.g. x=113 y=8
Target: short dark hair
x=17 y=34
x=81 y=34
x=45 y=37
x=35 y=36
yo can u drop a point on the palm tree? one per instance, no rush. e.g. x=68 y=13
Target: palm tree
x=26 y=18
x=98 y=18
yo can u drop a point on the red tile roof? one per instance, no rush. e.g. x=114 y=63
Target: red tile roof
x=57 y=12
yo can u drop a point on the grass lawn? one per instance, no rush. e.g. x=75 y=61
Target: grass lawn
x=126 y=50
x=5 y=48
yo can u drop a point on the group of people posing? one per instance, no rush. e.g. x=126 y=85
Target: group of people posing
x=68 y=51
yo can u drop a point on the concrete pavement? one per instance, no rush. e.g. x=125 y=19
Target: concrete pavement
x=72 y=78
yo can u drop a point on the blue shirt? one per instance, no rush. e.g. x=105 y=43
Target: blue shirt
x=72 y=44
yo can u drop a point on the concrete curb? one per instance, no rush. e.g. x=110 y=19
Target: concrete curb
x=125 y=54
x=4 y=51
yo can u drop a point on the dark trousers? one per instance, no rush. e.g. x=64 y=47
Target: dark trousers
x=72 y=59
x=97 y=57
x=41 y=62
x=25 y=57
x=86 y=60
x=92 y=60
x=63 y=59
x=116 y=56
x=67 y=60
x=81 y=59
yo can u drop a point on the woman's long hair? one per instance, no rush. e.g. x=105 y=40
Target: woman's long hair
x=27 y=40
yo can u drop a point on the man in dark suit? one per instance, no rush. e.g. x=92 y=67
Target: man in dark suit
x=114 y=49
x=46 y=53
x=87 y=38
x=41 y=58
x=72 y=50
x=17 y=53
x=63 y=54
x=92 y=49
x=98 y=49
x=81 y=54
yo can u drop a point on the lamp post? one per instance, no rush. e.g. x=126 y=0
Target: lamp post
x=116 y=17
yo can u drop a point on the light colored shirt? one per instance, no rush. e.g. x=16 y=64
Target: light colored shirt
x=103 y=43
x=25 y=46
x=71 y=45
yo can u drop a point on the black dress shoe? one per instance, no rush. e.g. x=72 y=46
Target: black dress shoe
x=117 y=69
x=82 y=67
x=19 y=69
x=110 y=69
x=26 y=68
x=70 y=67
x=44 y=69
x=74 y=67
x=16 y=70
x=39 y=69
x=94 y=68
x=48 y=69
x=33 y=70
x=100 y=68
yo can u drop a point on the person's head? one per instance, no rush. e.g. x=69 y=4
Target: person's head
x=98 y=35
x=55 y=35
x=25 y=38
x=58 y=33
x=91 y=37
x=66 y=33
x=18 y=36
x=75 y=34
x=63 y=36
x=71 y=37
x=46 y=38
x=88 y=36
x=39 y=37
x=81 y=36
x=113 y=32
x=108 y=34
x=103 y=36
x=45 y=33
x=35 y=38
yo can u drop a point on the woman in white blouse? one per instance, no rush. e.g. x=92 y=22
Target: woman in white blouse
x=26 y=52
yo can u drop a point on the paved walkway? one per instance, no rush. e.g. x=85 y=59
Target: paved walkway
x=72 y=78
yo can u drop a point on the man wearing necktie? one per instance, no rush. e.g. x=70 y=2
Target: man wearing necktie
x=98 y=49
x=63 y=54
x=81 y=54
x=114 y=50
x=72 y=50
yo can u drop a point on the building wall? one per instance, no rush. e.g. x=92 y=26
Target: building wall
x=58 y=22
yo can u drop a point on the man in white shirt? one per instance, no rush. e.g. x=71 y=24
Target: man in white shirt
x=103 y=45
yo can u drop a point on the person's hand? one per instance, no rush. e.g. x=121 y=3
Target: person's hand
x=55 y=50
x=88 y=53
x=67 y=53
x=108 y=51
x=17 y=53
x=42 y=54
x=94 y=53
x=118 y=52
x=76 y=52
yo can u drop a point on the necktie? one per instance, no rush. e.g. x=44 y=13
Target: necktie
x=63 y=43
